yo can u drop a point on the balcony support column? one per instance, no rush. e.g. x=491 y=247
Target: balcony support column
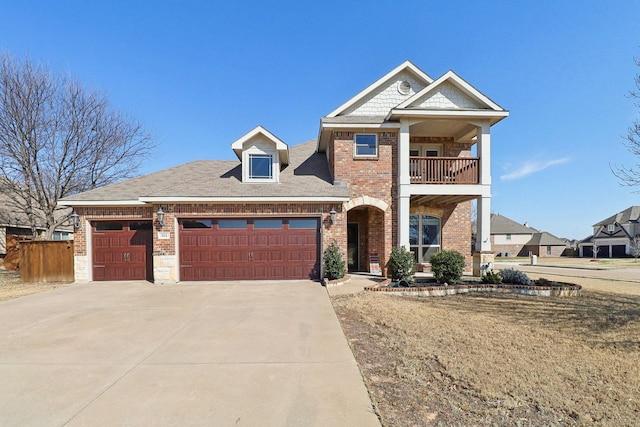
x=483 y=257
x=484 y=151
x=404 y=182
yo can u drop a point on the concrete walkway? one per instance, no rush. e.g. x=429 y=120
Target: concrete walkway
x=137 y=354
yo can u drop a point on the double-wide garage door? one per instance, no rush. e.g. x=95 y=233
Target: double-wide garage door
x=248 y=249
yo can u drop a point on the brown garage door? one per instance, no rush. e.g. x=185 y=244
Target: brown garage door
x=248 y=249
x=122 y=250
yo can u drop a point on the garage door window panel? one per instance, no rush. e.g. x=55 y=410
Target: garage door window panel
x=267 y=223
x=235 y=224
x=201 y=223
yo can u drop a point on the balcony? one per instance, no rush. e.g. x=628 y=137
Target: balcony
x=444 y=170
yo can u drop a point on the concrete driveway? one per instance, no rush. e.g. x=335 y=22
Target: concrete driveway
x=137 y=354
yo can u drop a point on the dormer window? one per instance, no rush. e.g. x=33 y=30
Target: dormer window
x=263 y=156
x=260 y=166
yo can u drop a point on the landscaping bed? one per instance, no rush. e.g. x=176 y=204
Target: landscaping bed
x=424 y=287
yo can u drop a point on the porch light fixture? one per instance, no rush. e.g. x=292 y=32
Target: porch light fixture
x=332 y=216
x=160 y=214
x=75 y=220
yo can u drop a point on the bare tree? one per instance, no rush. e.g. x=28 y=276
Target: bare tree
x=634 y=245
x=58 y=139
x=630 y=176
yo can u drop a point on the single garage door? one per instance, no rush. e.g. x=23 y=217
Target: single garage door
x=122 y=250
x=249 y=249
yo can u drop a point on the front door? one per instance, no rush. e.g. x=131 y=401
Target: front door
x=353 y=254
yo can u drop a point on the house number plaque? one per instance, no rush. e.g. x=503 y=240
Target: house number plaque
x=164 y=235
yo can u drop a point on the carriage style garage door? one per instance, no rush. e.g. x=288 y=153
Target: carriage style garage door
x=247 y=249
x=122 y=250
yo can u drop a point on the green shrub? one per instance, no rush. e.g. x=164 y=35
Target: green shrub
x=402 y=264
x=491 y=277
x=515 y=277
x=447 y=266
x=334 y=265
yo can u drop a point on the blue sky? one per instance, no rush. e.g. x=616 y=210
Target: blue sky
x=200 y=74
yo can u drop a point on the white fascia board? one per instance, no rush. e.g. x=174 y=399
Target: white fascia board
x=100 y=203
x=406 y=65
x=407 y=190
x=460 y=83
x=313 y=199
x=281 y=146
x=386 y=125
x=449 y=114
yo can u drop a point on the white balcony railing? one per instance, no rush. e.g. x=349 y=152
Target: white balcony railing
x=444 y=170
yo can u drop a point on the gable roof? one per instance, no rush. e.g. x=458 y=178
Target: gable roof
x=281 y=147
x=458 y=87
x=306 y=178
x=631 y=214
x=545 y=239
x=407 y=68
x=503 y=225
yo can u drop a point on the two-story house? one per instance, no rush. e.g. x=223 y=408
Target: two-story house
x=398 y=164
x=614 y=237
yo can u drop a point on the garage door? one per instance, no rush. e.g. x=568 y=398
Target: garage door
x=249 y=249
x=122 y=250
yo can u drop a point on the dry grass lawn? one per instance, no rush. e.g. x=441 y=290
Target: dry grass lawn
x=498 y=359
x=12 y=287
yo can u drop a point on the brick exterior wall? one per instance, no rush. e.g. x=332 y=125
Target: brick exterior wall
x=375 y=178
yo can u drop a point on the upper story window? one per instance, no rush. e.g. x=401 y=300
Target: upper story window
x=366 y=145
x=611 y=227
x=260 y=166
x=508 y=236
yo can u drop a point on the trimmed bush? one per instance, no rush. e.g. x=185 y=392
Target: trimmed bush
x=491 y=277
x=515 y=277
x=402 y=264
x=447 y=266
x=334 y=265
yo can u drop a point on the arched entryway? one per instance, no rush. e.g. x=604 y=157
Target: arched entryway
x=366 y=234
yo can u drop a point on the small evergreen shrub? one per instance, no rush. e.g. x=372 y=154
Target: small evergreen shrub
x=334 y=265
x=402 y=264
x=515 y=277
x=491 y=277
x=447 y=266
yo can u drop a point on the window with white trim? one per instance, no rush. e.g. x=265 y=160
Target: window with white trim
x=366 y=145
x=260 y=166
x=611 y=227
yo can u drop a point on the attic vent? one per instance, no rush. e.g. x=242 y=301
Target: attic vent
x=404 y=87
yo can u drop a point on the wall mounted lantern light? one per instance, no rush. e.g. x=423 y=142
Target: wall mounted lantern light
x=160 y=214
x=332 y=216
x=75 y=220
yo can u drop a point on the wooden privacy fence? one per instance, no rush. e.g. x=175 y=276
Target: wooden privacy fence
x=46 y=261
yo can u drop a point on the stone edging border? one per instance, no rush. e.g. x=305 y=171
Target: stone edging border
x=338 y=282
x=566 y=290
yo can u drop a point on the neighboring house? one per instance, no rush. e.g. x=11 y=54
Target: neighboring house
x=510 y=238
x=614 y=236
x=395 y=165
x=544 y=244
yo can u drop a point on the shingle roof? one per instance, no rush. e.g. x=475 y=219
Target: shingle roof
x=503 y=225
x=630 y=214
x=307 y=175
x=545 y=239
